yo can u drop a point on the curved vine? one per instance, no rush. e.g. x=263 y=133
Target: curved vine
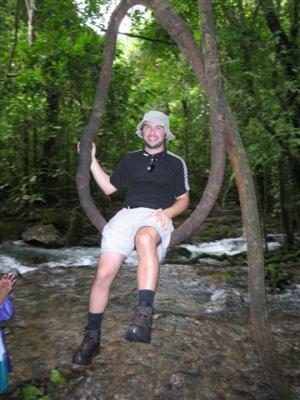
x=176 y=27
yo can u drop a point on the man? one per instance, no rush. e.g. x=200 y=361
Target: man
x=157 y=191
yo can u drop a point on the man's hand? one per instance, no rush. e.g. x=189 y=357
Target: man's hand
x=101 y=177
x=162 y=217
x=93 y=152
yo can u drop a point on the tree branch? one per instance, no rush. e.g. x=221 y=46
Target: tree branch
x=274 y=25
x=15 y=41
x=295 y=21
x=30 y=5
x=133 y=35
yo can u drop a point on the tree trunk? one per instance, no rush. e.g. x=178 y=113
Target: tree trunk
x=15 y=41
x=237 y=155
x=186 y=132
x=265 y=205
x=258 y=302
x=285 y=200
x=50 y=147
x=30 y=5
x=25 y=150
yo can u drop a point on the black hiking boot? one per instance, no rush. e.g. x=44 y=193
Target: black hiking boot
x=89 y=348
x=140 y=329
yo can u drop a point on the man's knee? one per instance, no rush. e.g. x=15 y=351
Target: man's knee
x=106 y=271
x=103 y=277
x=147 y=237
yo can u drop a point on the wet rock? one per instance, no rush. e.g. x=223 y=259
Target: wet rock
x=194 y=353
x=43 y=235
x=228 y=301
x=177 y=254
x=177 y=380
x=74 y=232
x=91 y=240
x=206 y=260
x=10 y=229
x=81 y=388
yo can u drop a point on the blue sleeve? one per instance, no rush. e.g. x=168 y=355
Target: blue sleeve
x=119 y=177
x=6 y=309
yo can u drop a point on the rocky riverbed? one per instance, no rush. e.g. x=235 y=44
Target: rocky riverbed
x=202 y=348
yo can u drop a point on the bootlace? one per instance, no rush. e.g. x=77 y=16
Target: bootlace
x=143 y=317
x=88 y=341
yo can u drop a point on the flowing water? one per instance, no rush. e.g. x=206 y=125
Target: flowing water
x=25 y=258
x=202 y=344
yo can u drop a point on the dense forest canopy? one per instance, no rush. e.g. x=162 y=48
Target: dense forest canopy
x=50 y=62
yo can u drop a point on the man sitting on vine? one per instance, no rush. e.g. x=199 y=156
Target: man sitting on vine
x=157 y=191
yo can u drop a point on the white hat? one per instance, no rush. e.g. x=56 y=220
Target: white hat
x=158 y=118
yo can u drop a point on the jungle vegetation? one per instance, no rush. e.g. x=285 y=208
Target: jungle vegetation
x=50 y=61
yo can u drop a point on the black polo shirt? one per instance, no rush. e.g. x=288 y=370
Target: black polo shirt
x=152 y=181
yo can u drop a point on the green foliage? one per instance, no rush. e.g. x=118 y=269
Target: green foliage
x=45 y=390
x=26 y=192
x=230 y=275
x=56 y=377
x=47 y=94
x=32 y=393
x=276 y=278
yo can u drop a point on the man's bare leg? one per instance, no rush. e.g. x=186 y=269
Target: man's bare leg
x=108 y=267
x=146 y=242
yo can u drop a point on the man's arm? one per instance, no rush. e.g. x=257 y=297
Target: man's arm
x=180 y=205
x=102 y=178
x=177 y=208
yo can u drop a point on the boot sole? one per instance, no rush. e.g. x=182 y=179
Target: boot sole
x=84 y=361
x=133 y=335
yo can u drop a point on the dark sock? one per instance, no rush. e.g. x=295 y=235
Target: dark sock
x=94 y=321
x=146 y=296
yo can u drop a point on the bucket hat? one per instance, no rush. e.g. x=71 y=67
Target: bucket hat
x=156 y=117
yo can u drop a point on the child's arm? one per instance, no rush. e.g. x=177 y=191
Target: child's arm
x=7 y=283
x=6 y=309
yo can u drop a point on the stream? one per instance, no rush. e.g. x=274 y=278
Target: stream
x=202 y=344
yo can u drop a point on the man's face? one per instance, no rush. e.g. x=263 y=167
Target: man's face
x=154 y=135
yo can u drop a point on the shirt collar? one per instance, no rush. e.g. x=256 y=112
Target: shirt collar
x=146 y=154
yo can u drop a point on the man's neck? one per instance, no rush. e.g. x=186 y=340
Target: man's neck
x=154 y=151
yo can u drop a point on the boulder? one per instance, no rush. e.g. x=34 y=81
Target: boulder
x=43 y=235
x=177 y=254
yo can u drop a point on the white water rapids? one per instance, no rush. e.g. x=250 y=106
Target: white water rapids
x=25 y=258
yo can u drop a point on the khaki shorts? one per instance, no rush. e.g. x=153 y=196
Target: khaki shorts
x=119 y=233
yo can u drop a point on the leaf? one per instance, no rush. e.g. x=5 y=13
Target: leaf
x=56 y=377
x=31 y=393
